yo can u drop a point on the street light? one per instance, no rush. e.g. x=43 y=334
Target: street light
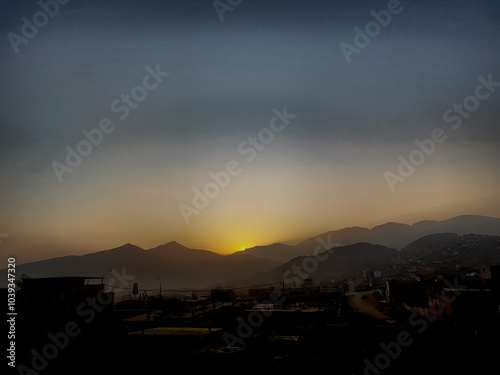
x=104 y=275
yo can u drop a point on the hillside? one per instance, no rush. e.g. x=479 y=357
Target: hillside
x=393 y=235
x=175 y=265
x=396 y=235
x=355 y=249
x=336 y=264
x=449 y=249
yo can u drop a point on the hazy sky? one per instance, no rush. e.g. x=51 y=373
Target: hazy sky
x=323 y=171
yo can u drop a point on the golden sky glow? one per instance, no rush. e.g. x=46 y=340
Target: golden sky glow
x=322 y=168
x=283 y=200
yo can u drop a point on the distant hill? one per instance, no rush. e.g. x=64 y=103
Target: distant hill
x=435 y=250
x=392 y=235
x=174 y=264
x=277 y=252
x=396 y=235
x=356 y=249
x=449 y=249
x=339 y=263
x=429 y=244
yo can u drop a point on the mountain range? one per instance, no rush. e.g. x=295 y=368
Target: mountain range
x=393 y=235
x=173 y=264
x=356 y=249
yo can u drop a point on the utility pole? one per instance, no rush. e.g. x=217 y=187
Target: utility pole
x=283 y=282
x=160 y=285
x=104 y=276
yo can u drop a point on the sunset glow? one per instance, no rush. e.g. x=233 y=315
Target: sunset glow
x=285 y=136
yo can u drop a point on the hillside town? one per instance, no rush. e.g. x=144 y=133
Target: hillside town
x=372 y=322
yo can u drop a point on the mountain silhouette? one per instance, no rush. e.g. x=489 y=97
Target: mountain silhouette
x=399 y=235
x=337 y=263
x=172 y=263
x=277 y=252
x=394 y=235
x=450 y=249
x=356 y=249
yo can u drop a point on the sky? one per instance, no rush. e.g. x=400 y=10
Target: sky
x=171 y=91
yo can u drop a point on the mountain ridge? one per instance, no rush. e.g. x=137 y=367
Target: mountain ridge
x=380 y=234
x=386 y=235
x=180 y=266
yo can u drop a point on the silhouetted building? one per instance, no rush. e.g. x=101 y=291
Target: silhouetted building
x=308 y=284
x=412 y=293
x=261 y=294
x=328 y=286
x=49 y=303
x=473 y=310
x=223 y=295
x=491 y=274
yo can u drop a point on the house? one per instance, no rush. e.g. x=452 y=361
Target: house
x=261 y=294
x=60 y=297
x=411 y=293
x=222 y=295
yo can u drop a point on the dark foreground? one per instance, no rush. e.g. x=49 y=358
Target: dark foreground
x=292 y=340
